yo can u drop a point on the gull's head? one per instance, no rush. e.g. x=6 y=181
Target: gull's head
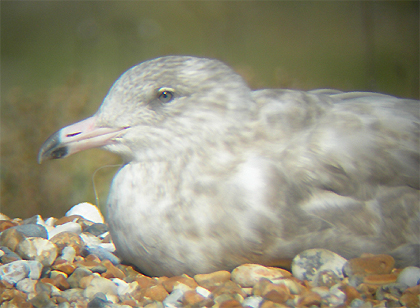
x=164 y=103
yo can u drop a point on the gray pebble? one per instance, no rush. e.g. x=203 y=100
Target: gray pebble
x=102 y=254
x=96 y=229
x=9 y=256
x=308 y=263
x=409 y=276
x=33 y=230
x=78 y=274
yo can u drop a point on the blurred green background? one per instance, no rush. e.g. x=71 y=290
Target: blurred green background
x=58 y=60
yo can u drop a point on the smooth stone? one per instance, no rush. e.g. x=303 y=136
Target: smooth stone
x=39 y=249
x=43 y=300
x=270 y=291
x=87 y=211
x=122 y=286
x=409 y=276
x=247 y=275
x=35 y=269
x=99 y=301
x=68 y=239
x=36 y=219
x=202 y=291
x=309 y=299
x=337 y=296
x=191 y=297
x=26 y=285
x=156 y=293
x=6 y=224
x=103 y=254
x=14 y=271
x=355 y=280
x=212 y=279
x=372 y=265
x=112 y=271
x=8 y=255
x=229 y=287
x=72 y=295
x=380 y=279
x=351 y=293
x=63 y=266
x=68 y=253
x=90 y=240
x=292 y=284
x=33 y=230
x=252 y=302
x=93 y=266
x=411 y=297
x=10 y=238
x=174 y=299
x=77 y=275
x=325 y=278
x=308 y=263
x=97 y=229
x=396 y=290
x=357 y=303
x=72 y=227
x=172 y=282
x=99 y=284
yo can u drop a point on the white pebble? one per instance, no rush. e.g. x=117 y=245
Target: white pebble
x=67 y=227
x=202 y=291
x=88 y=211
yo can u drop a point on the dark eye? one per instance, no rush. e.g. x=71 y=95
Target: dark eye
x=165 y=95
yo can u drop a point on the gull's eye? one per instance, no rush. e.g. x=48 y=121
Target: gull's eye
x=165 y=95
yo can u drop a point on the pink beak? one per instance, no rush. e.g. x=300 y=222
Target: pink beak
x=77 y=137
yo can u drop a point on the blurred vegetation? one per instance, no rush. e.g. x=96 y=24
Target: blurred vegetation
x=59 y=58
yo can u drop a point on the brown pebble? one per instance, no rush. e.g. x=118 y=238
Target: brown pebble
x=229 y=287
x=232 y=303
x=309 y=299
x=85 y=281
x=270 y=291
x=212 y=279
x=191 y=298
x=61 y=282
x=380 y=279
x=156 y=293
x=247 y=275
x=368 y=290
x=11 y=238
x=65 y=239
x=6 y=224
x=410 y=300
x=112 y=271
x=270 y=304
x=20 y=301
x=173 y=281
x=351 y=293
x=63 y=266
x=373 y=265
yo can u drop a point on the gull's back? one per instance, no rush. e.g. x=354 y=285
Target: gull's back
x=348 y=166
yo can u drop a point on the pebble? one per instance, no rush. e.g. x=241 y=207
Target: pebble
x=69 y=263
x=307 y=264
x=39 y=249
x=247 y=275
x=87 y=211
x=370 y=265
x=409 y=276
